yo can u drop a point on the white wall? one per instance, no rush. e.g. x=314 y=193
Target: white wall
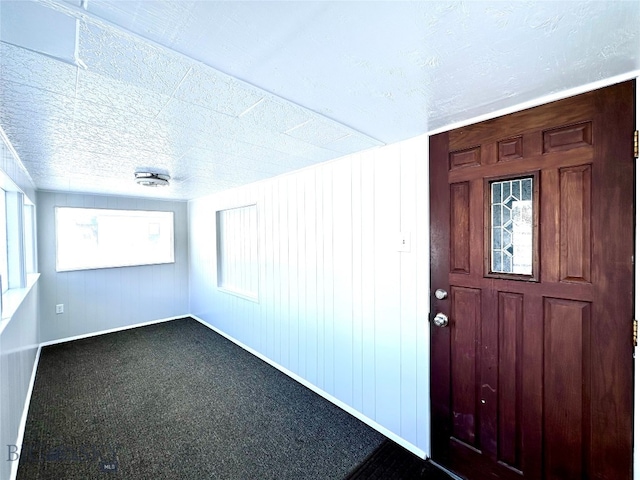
x=338 y=305
x=97 y=300
x=18 y=348
x=18 y=334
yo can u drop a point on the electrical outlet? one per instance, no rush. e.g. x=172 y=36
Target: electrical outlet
x=59 y=308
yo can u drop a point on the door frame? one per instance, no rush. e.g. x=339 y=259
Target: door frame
x=636 y=353
x=635 y=74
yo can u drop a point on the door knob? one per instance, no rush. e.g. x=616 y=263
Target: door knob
x=441 y=320
x=440 y=294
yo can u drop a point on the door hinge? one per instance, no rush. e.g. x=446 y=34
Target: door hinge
x=635 y=333
x=635 y=144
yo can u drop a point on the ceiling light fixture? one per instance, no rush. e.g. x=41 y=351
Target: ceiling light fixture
x=149 y=179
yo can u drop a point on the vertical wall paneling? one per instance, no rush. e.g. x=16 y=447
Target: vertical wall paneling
x=265 y=238
x=102 y=299
x=19 y=334
x=339 y=305
x=277 y=318
x=387 y=285
x=18 y=349
x=408 y=299
x=284 y=320
x=423 y=290
x=343 y=281
x=320 y=304
x=302 y=326
x=356 y=283
x=367 y=250
x=328 y=275
x=293 y=295
x=309 y=317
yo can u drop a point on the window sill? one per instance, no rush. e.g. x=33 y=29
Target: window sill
x=13 y=298
x=236 y=293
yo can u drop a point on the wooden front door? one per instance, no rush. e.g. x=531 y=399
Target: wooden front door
x=532 y=231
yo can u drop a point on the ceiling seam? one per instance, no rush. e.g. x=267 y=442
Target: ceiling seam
x=171 y=96
x=93 y=19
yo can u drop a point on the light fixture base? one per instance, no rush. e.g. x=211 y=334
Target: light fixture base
x=150 y=179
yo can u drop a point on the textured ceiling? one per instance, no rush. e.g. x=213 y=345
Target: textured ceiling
x=219 y=94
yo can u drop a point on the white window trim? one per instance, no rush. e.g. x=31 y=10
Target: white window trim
x=13 y=298
x=227 y=289
x=19 y=283
x=170 y=260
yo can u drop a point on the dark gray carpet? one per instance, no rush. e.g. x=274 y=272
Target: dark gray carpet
x=178 y=401
x=392 y=462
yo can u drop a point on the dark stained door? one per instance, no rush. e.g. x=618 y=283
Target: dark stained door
x=532 y=236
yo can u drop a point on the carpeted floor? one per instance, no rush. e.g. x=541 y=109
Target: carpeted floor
x=178 y=401
x=392 y=462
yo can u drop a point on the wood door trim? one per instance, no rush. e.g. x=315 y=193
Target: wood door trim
x=535 y=247
x=611 y=443
x=439 y=234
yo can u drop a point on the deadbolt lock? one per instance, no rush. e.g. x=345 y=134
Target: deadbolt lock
x=440 y=294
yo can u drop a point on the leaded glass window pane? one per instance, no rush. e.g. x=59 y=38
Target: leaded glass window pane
x=512 y=226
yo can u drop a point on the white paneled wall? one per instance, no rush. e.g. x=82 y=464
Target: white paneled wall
x=18 y=334
x=339 y=305
x=102 y=299
x=18 y=349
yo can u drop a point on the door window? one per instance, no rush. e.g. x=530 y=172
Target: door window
x=512 y=226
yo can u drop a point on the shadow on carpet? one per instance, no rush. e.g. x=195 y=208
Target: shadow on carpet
x=392 y=462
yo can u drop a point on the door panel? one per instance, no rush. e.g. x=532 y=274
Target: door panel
x=566 y=386
x=510 y=323
x=575 y=224
x=460 y=227
x=532 y=377
x=465 y=365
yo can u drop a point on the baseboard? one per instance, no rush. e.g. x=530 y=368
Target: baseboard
x=25 y=412
x=347 y=408
x=111 y=330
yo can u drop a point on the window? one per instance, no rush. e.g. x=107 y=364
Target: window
x=15 y=239
x=30 y=255
x=88 y=238
x=512 y=215
x=237 y=237
x=17 y=236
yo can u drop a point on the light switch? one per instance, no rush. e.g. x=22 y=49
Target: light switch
x=404 y=242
